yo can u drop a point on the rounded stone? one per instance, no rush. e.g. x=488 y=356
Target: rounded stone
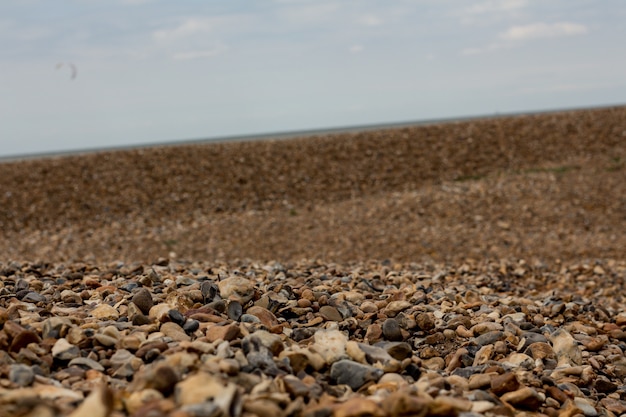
x=391 y=330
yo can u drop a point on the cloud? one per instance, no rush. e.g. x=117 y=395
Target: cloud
x=355 y=49
x=543 y=30
x=496 y=6
x=189 y=27
x=370 y=20
x=198 y=54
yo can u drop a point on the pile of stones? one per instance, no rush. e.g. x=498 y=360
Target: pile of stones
x=314 y=339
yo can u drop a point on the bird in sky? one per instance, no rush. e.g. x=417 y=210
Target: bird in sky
x=72 y=67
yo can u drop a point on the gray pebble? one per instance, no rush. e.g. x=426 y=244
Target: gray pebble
x=391 y=330
x=21 y=375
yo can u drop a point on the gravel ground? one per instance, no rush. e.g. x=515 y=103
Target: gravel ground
x=472 y=268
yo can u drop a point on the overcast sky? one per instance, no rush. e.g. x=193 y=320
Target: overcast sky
x=98 y=73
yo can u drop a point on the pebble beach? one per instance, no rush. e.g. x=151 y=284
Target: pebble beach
x=472 y=268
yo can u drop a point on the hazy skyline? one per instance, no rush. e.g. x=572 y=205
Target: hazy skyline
x=102 y=73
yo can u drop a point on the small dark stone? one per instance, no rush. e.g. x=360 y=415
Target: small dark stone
x=165 y=379
x=604 y=385
x=391 y=330
x=489 y=338
x=217 y=305
x=22 y=339
x=301 y=333
x=354 y=374
x=21 y=285
x=468 y=371
x=209 y=291
x=143 y=300
x=397 y=350
x=191 y=326
x=413 y=371
x=235 y=310
x=177 y=317
x=140 y=319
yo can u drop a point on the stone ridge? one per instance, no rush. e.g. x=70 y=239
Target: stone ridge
x=165 y=182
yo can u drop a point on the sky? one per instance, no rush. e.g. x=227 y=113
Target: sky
x=87 y=74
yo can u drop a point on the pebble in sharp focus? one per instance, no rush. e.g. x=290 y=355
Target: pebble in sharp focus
x=312 y=339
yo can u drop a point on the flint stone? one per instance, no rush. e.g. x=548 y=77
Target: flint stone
x=566 y=348
x=526 y=398
x=489 y=338
x=21 y=375
x=391 y=330
x=236 y=288
x=55 y=327
x=143 y=300
x=354 y=374
x=64 y=350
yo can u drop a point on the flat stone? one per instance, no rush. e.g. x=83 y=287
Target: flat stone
x=331 y=313
x=525 y=397
x=228 y=333
x=173 y=330
x=105 y=312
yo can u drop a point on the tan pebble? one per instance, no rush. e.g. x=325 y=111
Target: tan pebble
x=202 y=387
x=330 y=344
x=131 y=342
x=482 y=328
x=304 y=303
x=434 y=364
x=227 y=333
x=478 y=381
x=229 y=366
x=267 y=317
x=368 y=307
x=507 y=382
x=525 y=397
x=395 y=307
x=354 y=352
x=237 y=288
x=483 y=355
x=445 y=405
x=455 y=361
x=307 y=294
x=569 y=409
x=98 y=404
x=405 y=404
x=425 y=321
x=357 y=407
x=464 y=332
x=105 y=312
x=174 y=331
x=519 y=360
x=482 y=406
x=566 y=348
x=541 y=350
x=374 y=333
x=458 y=382
x=138 y=399
x=160 y=312
x=331 y=313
